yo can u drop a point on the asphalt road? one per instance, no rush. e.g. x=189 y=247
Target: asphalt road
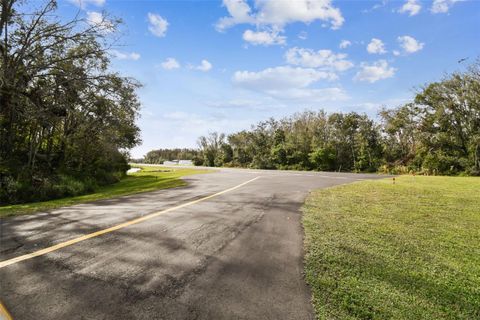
x=234 y=255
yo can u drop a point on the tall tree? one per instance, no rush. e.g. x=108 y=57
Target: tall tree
x=449 y=113
x=62 y=111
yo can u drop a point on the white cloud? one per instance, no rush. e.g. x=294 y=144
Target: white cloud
x=376 y=71
x=157 y=25
x=316 y=59
x=412 y=7
x=376 y=6
x=97 y=19
x=125 y=55
x=179 y=115
x=186 y=123
x=284 y=12
x=279 y=78
x=372 y=107
x=204 y=66
x=345 y=44
x=396 y=52
x=376 y=46
x=251 y=104
x=264 y=38
x=94 y=18
x=239 y=12
x=289 y=83
x=279 y=13
x=311 y=95
x=83 y=3
x=303 y=35
x=442 y=6
x=170 y=64
x=410 y=44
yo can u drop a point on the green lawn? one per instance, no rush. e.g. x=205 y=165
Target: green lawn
x=148 y=179
x=375 y=250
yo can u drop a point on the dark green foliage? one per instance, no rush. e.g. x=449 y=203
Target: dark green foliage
x=161 y=155
x=305 y=141
x=66 y=120
x=440 y=132
x=214 y=151
x=323 y=159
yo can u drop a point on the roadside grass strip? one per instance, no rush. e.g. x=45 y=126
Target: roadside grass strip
x=409 y=250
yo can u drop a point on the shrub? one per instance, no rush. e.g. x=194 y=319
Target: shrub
x=42 y=189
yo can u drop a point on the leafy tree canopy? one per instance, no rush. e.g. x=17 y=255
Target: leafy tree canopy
x=64 y=115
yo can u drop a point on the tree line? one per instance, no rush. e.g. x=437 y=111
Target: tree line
x=161 y=155
x=437 y=133
x=66 y=119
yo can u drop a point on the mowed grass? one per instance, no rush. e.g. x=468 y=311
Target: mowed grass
x=150 y=178
x=375 y=250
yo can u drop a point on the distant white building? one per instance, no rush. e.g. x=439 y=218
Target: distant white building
x=178 y=162
x=133 y=170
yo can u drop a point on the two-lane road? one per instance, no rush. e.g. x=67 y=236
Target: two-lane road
x=228 y=246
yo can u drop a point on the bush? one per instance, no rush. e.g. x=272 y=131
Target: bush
x=42 y=189
x=197 y=161
x=323 y=159
x=441 y=163
x=8 y=189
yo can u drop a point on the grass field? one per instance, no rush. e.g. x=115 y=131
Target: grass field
x=375 y=250
x=148 y=179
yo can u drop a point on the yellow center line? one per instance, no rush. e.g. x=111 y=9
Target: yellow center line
x=61 y=245
x=4 y=314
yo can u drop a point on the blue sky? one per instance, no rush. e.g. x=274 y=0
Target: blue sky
x=222 y=66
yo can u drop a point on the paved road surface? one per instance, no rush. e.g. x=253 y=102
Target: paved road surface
x=237 y=255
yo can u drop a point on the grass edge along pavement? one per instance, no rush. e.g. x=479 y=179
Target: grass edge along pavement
x=149 y=178
x=409 y=250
